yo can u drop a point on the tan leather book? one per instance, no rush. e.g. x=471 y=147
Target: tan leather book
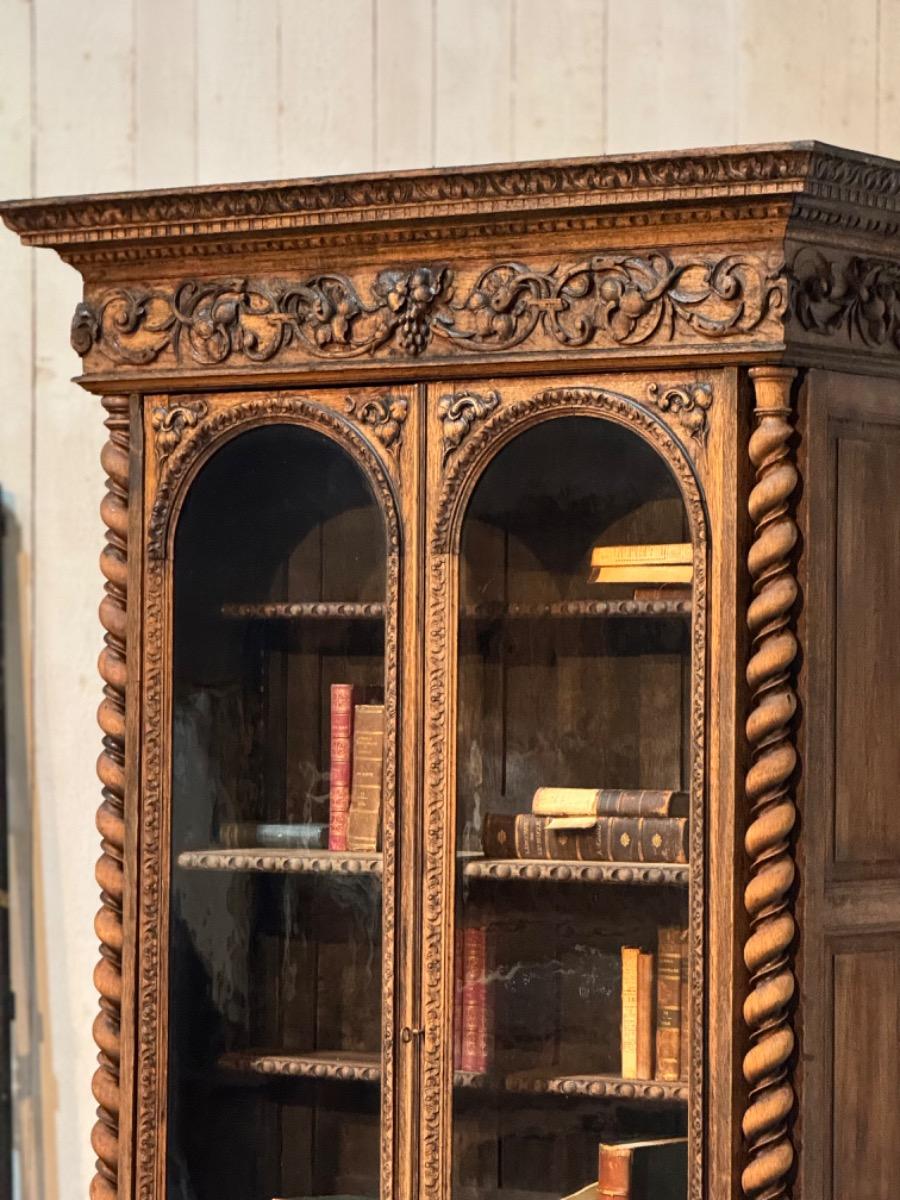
x=630 y=960
x=366 y=784
x=341 y=745
x=684 y=1056
x=646 y=1006
x=668 y=1003
x=661 y=552
x=650 y=1169
x=643 y=573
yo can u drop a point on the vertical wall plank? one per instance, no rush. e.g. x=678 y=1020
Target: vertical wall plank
x=327 y=75
x=237 y=86
x=473 y=75
x=808 y=71
x=17 y=479
x=559 y=91
x=404 y=97
x=888 y=99
x=670 y=75
x=165 y=95
x=84 y=112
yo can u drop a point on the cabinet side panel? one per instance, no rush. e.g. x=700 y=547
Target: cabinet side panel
x=866 y=1070
x=849 y=895
x=867 y=645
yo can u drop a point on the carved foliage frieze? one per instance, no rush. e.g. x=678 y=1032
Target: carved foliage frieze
x=599 y=301
x=855 y=299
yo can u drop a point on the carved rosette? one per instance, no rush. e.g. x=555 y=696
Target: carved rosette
x=111 y=814
x=767 y=898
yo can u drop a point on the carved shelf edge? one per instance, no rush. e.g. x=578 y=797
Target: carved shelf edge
x=580 y=608
x=286 y=862
x=529 y=869
x=278 y=610
x=598 y=1085
x=312 y=1065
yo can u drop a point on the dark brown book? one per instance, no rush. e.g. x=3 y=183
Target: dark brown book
x=608 y=802
x=341 y=744
x=366 y=785
x=684 y=1058
x=668 y=1003
x=637 y=1013
x=477 y=1000
x=606 y=839
x=650 y=1169
x=672 y=591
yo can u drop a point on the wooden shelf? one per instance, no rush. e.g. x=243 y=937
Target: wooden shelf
x=322 y=610
x=315 y=1064
x=283 y=862
x=578 y=608
x=565 y=871
x=536 y=1082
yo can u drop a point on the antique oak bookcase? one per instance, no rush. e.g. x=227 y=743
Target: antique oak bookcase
x=367 y=430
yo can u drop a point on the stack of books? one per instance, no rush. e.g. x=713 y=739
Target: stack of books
x=357 y=768
x=655 y=1008
x=666 y=564
x=593 y=825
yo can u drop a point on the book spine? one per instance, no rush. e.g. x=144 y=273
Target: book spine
x=576 y=802
x=630 y=958
x=614 y=1173
x=668 y=1004
x=684 y=1056
x=646 y=996
x=458 y=974
x=341 y=743
x=498 y=835
x=643 y=573
x=364 y=822
x=477 y=1001
x=635 y=839
x=664 y=592
x=663 y=552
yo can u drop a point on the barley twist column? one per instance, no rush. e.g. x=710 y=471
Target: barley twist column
x=111 y=814
x=767 y=898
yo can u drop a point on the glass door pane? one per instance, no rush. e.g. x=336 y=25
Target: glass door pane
x=278 y=727
x=571 y=907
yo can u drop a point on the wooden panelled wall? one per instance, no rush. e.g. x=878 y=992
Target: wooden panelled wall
x=146 y=93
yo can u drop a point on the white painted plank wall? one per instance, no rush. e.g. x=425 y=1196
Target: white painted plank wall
x=152 y=93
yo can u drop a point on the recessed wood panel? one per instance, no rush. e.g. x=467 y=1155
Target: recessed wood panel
x=866 y=1120
x=867 y=644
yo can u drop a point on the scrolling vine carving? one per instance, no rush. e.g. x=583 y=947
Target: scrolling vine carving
x=613 y=300
x=385 y=416
x=857 y=298
x=689 y=403
x=767 y=898
x=459 y=411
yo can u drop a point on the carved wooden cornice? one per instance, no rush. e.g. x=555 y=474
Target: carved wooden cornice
x=827 y=176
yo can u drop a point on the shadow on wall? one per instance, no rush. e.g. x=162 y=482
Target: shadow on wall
x=24 y=1105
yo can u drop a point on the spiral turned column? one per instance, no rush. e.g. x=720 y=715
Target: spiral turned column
x=767 y=898
x=111 y=813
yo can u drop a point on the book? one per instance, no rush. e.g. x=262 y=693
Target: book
x=661 y=552
x=476 y=1000
x=668 y=1002
x=574 y=802
x=605 y=839
x=650 y=1169
x=458 y=971
x=637 y=1013
x=367 y=769
x=341 y=742
x=663 y=592
x=643 y=573
x=267 y=835
x=684 y=1056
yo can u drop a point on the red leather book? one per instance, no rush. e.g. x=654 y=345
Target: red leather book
x=477 y=1007
x=341 y=747
x=652 y=1169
